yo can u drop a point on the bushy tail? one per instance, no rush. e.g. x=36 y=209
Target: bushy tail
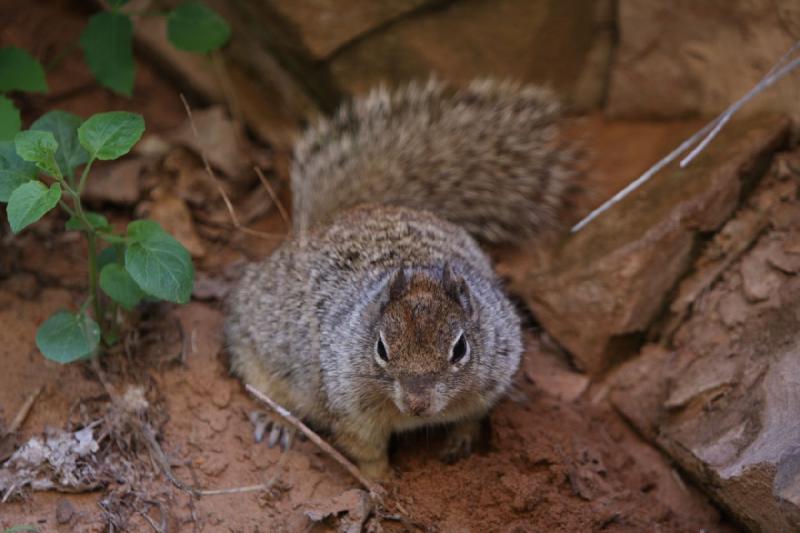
x=486 y=157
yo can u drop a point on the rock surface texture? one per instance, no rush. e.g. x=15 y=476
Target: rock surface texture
x=602 y=288
x=634 y=59
x=563 y=44
x=305 y=56
x=721 y=394
x=672 y=60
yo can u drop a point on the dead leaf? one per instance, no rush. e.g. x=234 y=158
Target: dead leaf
x=152 y=145
x=172 y=213
x=190 y=178
x=61 y=461
x=117 y=183
x=220 y=138
x=354 y=504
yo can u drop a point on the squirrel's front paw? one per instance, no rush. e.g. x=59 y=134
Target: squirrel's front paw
x=377 y=470
x=273 y=427
x=459 y=441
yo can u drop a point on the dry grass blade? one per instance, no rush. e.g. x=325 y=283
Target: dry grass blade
x=210 y=171
x=376 y=491
x=23 y=412
x=250 y=488
x=284 y=214
x=143 y=429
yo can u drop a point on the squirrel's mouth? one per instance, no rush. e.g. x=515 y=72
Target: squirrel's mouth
x=418 y=401
x=416 y=405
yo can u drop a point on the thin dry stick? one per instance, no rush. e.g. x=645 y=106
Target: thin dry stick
x=231 y=211
x=8 y=493
x=774 y=75
x=770 y=77
x=376 y=491
x=251 y=488
x=284 y=214
x=23 y=412
x=158 y=455
x=150 y=521
x=144 y=429
x=703 y=137
x=161 y=459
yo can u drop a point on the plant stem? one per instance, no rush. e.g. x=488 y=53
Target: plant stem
x=66 y=207
x=84 y=175
x=91 y=238
x=63 y=53
x=113 y=239
x=114 y=324
x=76 y=200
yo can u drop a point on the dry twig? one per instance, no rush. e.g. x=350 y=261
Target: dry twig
x=231 y=211
x=284 y=214
x=250 y=488
x=376 y=491
x=702 y=137
x=23 y=412
x=157 y=455
x=160 y=457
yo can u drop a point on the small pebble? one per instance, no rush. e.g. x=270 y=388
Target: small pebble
x=64 y=511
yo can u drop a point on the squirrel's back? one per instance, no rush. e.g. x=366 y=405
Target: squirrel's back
x=486 y=157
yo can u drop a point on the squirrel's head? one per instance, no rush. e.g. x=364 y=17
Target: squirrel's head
x=424 y=339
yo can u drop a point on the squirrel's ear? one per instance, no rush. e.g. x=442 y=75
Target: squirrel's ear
x=397 y=284
x=457 y=288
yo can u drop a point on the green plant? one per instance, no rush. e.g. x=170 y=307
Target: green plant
x=144 y=262
x=107 y=44
x=17 y=529
x=107 y=40
x=18 y=72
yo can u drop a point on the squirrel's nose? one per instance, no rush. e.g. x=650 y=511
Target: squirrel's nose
x=417 y=403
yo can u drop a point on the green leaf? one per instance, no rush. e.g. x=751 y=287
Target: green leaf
x=107 y=43
x=111 y=135
x=194 y=27
x=117 y=3
x=14 y=171
x=10 y=121
x=111 y=254
x=158 y=263
x=67 y=337
x=23 y=527
x=29 y=202
x=38 y=147
x=96 y=220
x=119 y=285
x=64 y=127
x=19 y=71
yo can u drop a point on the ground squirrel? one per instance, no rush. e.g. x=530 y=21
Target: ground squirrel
x=382 y=313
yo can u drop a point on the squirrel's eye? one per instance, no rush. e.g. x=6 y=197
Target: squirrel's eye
x=460 y=349
x=381 y=349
